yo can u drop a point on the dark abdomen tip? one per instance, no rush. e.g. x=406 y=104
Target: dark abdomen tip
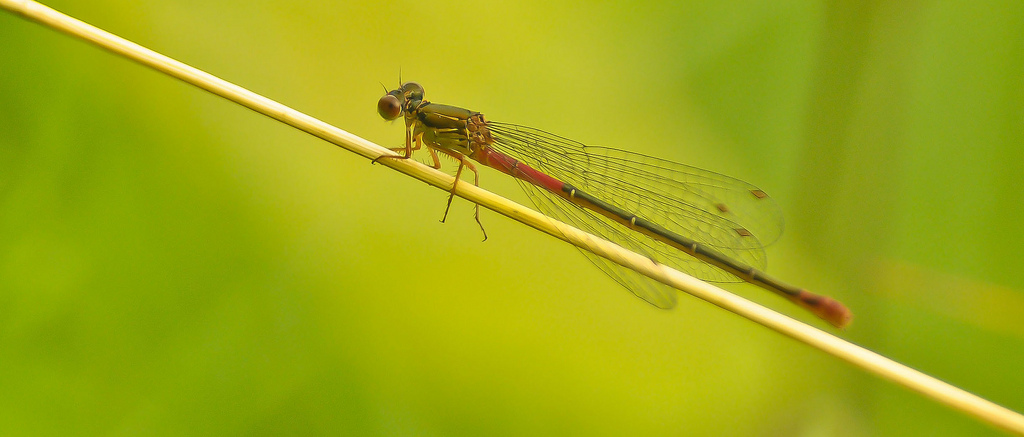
x=830 y=310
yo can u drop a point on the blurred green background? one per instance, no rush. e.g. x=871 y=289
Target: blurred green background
x=173 y=264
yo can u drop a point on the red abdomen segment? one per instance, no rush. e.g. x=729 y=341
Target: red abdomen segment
x=513 y=167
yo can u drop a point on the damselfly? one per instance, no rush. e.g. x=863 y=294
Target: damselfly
x=709 y=225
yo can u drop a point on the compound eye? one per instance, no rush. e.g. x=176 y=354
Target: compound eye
x=389 y=107
x=412 y=91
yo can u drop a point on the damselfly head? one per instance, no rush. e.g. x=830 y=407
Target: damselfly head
x=390 y=107
x=412 y=91
x=394 y=103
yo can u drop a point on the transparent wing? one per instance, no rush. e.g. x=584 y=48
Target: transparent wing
x=735 y=217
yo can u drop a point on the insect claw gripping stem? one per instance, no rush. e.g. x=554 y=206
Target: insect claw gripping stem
x=387 y=157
